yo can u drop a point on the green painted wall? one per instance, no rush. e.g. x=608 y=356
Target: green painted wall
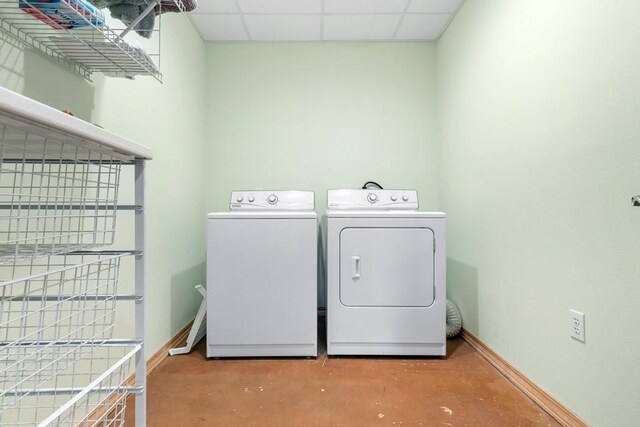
x=320 y=116
x=538 y=111
x=169 y=119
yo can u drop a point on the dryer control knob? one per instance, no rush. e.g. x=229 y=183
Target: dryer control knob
x=372 y=198
x=405 y=198
x=272 y=199
x=251 y=199
x=394 y=198
x=239 y=199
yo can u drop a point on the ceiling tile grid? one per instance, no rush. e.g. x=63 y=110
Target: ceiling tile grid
x=317 y=20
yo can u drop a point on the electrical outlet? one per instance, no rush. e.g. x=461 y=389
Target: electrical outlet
x=576 y=325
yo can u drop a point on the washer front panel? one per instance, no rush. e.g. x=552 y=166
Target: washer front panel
x=261 y=287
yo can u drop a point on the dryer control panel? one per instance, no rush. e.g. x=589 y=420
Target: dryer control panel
x=372 y=199
x=272 y=200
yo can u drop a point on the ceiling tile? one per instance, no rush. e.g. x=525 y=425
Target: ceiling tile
x=280 y=6
x=422 y=27
x=364 y=6
x=219 y=27
x=216 y=6
x=290 y=20
x=360 y=27
x=284 y=27
x=434 y=6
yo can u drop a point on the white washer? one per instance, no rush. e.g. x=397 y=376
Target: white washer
x=262 y=276
x=386 y=274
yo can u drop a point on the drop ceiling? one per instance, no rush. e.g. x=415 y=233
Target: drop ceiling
x=316 y=20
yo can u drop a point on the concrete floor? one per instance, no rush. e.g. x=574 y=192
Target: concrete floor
x=461 y=389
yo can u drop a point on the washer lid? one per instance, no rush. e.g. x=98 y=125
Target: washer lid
x=272 y=200
x=370 y=199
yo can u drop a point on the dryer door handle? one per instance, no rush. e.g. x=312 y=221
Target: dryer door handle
x=355 y=267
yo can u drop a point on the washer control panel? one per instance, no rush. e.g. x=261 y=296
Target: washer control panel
x=372 y=199
x=272 y=200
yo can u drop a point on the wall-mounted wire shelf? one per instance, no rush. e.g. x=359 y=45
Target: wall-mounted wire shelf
x=87 y=45
x=59 y=361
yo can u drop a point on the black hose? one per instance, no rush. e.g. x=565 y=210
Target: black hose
x=368 y=183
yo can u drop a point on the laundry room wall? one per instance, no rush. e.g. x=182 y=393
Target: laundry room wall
x=538 y=111
x=319 y=116
x=169 y=118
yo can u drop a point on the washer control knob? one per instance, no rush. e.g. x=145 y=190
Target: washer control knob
x=372 y=198
x=251 y=199
x=394 y=198
x=405 y=198
x=239 y=199
x=272 y=199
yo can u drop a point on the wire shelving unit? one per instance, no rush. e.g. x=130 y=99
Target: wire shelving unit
x=89 y=45
x=59 y=361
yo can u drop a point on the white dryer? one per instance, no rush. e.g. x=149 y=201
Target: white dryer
x=386 y=274
x=262 y=276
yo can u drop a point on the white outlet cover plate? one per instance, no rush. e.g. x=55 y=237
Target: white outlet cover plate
x=576 y=325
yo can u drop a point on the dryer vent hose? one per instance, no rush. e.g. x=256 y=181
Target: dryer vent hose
x=454 y=319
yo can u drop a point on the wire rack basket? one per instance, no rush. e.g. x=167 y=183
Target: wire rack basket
x=91 y=392
x=56 y=195
x=57 y=358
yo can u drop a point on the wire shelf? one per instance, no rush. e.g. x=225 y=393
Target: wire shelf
x=52 y=299
x=59 y=179
x=90 y=392
x=56 y=196
x=86 y=45
x=54 y=322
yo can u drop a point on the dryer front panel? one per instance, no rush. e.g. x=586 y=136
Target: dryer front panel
x=387 y=267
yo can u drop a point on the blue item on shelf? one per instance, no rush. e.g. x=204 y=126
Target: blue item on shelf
x=64 y=14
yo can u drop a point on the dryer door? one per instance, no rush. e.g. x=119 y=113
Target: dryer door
x=387 y=267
